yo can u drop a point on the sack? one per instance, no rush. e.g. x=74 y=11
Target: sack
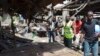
x=97 y=29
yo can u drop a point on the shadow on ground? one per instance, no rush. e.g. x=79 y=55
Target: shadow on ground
x=36 y=49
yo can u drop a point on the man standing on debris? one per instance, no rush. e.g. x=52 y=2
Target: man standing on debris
x=51 y=29
x=91 y=37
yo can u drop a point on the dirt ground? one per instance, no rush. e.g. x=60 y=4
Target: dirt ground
x=41 y=49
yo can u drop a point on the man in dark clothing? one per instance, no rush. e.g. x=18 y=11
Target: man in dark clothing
x=90 y=38
x=51 y=30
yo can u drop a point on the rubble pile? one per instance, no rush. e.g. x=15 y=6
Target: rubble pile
x=8 y=40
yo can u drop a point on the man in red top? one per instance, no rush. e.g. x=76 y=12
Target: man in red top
x=76 y=29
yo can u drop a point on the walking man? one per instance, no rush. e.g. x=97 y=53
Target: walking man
x=90 y=37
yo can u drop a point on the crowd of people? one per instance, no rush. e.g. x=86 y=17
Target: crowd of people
x=80 y=32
